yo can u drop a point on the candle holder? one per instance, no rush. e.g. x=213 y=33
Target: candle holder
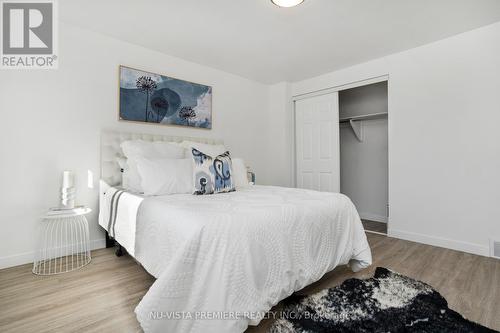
x=68 y=198
x=68 y=190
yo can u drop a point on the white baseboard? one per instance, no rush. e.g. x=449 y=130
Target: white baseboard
x=373 y=217
x=440 y=242
x=375 y=232
x=27 y=257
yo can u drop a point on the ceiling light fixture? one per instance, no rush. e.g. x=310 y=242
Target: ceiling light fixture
x=287 y=3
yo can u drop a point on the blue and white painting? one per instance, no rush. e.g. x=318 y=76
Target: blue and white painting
x=154 y=98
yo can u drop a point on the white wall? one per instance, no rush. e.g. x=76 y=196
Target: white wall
x=364 y=169
x=51 y=121
x=444 y=142
x=279 y=147
x=364 y=164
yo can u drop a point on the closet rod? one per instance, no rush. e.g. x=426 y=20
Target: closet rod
x=364 y=117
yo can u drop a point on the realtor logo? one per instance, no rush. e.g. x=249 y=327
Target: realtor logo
x=28 y=34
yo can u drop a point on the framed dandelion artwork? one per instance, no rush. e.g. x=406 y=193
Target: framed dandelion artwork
x=154 y=98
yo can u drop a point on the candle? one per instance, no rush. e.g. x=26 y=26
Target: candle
x=68 y=179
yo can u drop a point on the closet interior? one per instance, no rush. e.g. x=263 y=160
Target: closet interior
x=363 y=135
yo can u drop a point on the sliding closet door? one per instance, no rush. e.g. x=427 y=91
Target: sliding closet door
x=317 y=143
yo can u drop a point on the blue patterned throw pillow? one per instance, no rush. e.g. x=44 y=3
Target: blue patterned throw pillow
x=212 y=174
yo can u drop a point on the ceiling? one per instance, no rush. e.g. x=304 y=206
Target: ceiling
x=260 y=41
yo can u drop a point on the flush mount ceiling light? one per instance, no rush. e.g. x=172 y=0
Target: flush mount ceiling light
x=287 y=3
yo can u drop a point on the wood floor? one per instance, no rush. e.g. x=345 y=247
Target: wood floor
x=375 y=226
x=102 y=296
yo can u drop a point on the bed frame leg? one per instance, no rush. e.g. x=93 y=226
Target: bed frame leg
x=120 y=251
x=110 y=242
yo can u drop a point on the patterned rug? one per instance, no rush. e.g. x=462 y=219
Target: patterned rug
x=388 y=302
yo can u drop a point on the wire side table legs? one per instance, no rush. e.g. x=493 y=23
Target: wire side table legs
x=63 y=244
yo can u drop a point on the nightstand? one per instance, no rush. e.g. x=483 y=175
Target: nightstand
x=64 y=244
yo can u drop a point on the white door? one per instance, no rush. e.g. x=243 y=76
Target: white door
x=317 y=143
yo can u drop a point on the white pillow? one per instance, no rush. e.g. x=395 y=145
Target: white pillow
x=134 y=149
x=131 y=180
x=161 y=176
x=240 y=177
x=210 y=150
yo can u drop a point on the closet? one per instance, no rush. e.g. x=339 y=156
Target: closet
x=364 y=152
x=341 y=145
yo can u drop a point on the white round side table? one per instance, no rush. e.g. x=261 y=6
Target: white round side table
x=63 y=242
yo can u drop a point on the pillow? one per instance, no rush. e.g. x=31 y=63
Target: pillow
x=165 y=175
x=212 y=174
x=134 y=149
x=240 y=176
x=210 y=150
x=132 y=177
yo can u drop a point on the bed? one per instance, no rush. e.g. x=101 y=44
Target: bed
x=221 y=261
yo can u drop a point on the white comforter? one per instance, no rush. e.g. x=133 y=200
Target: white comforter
x=222 y=260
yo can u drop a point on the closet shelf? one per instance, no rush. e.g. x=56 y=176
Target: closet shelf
x=364 y=117
x=357 y=124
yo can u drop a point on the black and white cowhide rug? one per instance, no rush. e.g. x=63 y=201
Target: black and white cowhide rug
x=388 y=302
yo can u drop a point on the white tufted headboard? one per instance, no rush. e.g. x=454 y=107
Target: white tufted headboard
x=110 y=150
